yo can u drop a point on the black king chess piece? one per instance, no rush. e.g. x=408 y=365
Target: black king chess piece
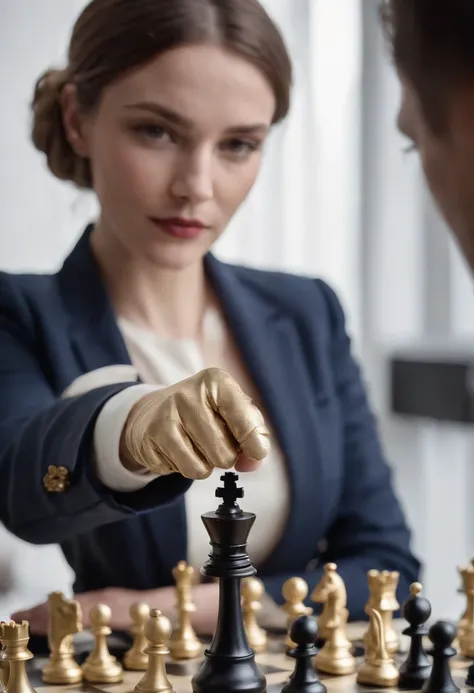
x=417 y=667
x=229 y=663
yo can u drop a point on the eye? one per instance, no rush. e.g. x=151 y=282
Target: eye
x=409 y=148
x=152 y=131
x=241 y=147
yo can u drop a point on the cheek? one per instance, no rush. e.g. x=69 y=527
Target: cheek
x=125 y=171
x=448 y=176
x=435 y=173
x=440 y=177
x=234 y=184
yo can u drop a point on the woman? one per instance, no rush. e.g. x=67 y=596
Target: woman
x=123 y=375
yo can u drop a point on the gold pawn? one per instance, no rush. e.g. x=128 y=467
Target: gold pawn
x=157 y=631
x=184 y=644
x=252 y=592
x=100 y=666
x=135 y=658
x=295 y=590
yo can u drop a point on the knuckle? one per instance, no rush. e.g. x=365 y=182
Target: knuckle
x=226 y=461
x=201 y=474
x=258 y=418
x=215 y=374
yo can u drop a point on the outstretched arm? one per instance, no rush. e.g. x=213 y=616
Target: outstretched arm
x=39 y=430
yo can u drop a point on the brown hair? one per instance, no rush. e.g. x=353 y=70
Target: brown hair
x=431 y=42
x=112 y=37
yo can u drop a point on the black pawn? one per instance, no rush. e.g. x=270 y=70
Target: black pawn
x=440 y=680
x=304 y=679
x=417 y=667
x=470 y=676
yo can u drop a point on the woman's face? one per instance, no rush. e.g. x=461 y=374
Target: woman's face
x=177 y=139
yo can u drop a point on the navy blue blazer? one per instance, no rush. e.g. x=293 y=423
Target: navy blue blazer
x=291 y=332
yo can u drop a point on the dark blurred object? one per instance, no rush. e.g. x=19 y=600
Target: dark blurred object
x=6 y=575
x=433 y=386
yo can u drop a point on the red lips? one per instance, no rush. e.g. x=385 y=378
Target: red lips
x=180 y=227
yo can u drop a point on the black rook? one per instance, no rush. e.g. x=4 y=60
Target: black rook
x=229 y=663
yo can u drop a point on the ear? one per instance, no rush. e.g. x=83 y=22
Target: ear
x=74 y=122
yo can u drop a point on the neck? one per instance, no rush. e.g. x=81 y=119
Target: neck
x=167 y=301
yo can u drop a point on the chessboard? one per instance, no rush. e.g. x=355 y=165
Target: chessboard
x=158 y=656
x=274 y=663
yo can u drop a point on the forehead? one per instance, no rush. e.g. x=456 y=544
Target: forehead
x=206 y=84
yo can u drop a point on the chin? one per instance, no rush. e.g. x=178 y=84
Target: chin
x=176 y=258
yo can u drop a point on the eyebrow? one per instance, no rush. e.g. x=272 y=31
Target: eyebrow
x=182 y=121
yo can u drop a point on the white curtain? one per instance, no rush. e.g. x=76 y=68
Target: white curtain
x=304 y=214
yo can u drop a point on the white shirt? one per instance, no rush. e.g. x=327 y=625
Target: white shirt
x=161 y=362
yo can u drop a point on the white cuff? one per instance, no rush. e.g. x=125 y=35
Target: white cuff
x=107 y=434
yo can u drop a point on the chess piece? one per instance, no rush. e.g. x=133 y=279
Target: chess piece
x=470 y=676
x=157 y=631
x=252 y=592
x=465 y=631
x=441 y=634
x=4 y=674
x=417 y=667
x=318 y=596
x=462 y=590
x=15 y=638
x=100 y=666
x=184 y=644
x=377 y=669
x=229 y=663
x=382 y=597
x=335 y=657
x=135 y=658
x=304 y=679
x=65 y=620
x=294 y=592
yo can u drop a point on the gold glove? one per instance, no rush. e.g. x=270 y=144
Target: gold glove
x=200 y=423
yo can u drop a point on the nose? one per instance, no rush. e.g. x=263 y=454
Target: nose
x=193 y=179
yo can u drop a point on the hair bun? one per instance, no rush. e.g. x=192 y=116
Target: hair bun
x=48 y=133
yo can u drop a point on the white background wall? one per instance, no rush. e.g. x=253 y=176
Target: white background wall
x=336 y=198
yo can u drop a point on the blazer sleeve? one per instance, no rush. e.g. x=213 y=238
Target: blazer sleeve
x=369 y=530
x=39 y=430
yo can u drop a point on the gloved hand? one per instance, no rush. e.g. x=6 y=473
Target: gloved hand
x=200 y=423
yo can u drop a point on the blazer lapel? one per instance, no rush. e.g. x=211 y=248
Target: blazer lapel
x=273 y=351
x=95 y=336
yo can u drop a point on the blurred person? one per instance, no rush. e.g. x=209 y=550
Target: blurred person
x=432 y=48
x=143 y=368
